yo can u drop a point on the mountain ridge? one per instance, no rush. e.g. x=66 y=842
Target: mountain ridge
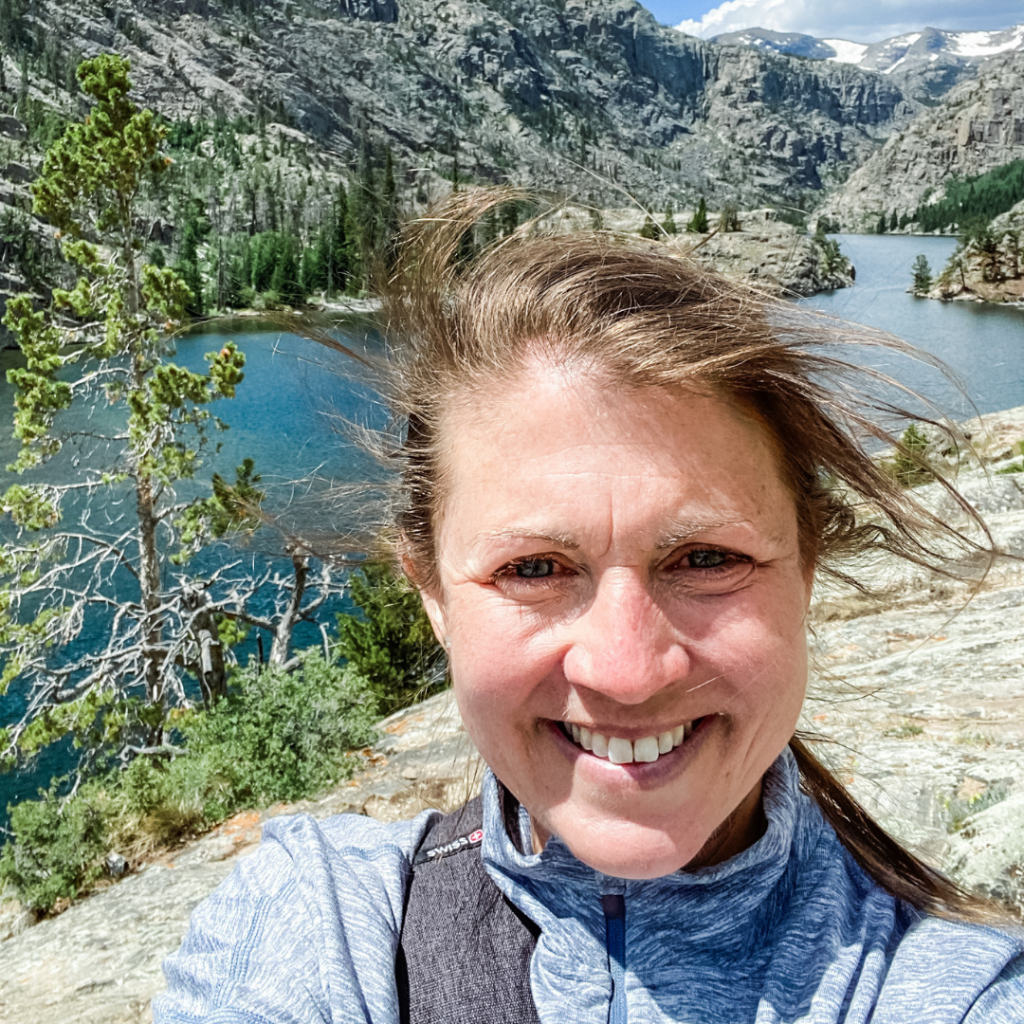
x=927 y=62
x=592 y=91
x=977 y=127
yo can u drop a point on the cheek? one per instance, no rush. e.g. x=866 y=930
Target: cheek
x=499 y=657
x=756 y=648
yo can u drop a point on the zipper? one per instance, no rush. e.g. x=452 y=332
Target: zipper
x=615 y=930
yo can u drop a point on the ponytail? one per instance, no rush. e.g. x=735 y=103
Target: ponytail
x=888 y=863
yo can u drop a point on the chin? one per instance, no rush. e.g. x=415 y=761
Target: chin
x=625 y=849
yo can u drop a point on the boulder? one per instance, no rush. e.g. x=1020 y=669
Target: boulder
x=18 y=173
x=12 y=128
x=987 y=854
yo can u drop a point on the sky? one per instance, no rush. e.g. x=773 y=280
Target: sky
x=864 y=21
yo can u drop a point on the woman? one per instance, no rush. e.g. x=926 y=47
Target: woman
x=620 y=477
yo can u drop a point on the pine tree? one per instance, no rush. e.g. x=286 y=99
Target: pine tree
x=922 y=272
x=699 y=221
x=389 y=213
x=729 y=218
x=391 y=644
x=882 y=226
x=91 y=186
x=650 y=229
x=338 y=245
x=669 y=224
x=894 y=222
x=285 y=281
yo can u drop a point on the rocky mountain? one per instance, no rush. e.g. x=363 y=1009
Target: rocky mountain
x=927 y=63
x=588 y=95
x=978 y=126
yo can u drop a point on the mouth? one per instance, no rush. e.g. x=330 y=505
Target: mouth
x=619 y=750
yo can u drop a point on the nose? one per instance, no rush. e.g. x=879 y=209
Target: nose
x=622 y=644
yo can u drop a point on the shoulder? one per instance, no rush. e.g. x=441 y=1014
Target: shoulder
x=305 y=862
x=950 y=971
x=914 y=967
x=311 y=917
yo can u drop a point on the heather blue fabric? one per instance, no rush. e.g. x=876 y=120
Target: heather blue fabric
x=790 y=930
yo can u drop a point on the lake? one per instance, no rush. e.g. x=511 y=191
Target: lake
x=981 y=341
x=290 y=410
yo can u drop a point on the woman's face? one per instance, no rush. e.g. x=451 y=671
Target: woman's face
x=619 y=570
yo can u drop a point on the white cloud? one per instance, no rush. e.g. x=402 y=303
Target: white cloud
x=865 y=21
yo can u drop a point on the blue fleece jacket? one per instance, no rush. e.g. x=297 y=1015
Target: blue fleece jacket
x=789 y=930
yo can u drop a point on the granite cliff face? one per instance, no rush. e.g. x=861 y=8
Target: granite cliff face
x=592 y=95
x=978 y=126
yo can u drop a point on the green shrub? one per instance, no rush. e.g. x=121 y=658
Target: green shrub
x=959 y=809
x=909 y=466
x=275 y=736
x=649 y=229
x=58 y=848
x=391 y=644
x=699 y=221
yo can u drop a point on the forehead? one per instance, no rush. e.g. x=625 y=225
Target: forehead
x=551 y=448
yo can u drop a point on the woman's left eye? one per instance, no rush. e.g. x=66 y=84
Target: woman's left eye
x=534 y=568
x=706 y=558
x=712 y=570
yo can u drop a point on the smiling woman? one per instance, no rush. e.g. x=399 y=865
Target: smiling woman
x=619 y=479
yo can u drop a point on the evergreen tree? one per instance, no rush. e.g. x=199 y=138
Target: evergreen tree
x=1012 y=241
x=894 y=222
x=188 y=265
x=336 y=245
x=729 y=218
x=669 y=224
x=882 y=226
x=391 y=644
x=699 y=221
x=922 y=272
x=285 y=280
x=389 y=213
x=650 y=229
x=117 y=694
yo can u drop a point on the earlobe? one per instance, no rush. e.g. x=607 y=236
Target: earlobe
x=431 y=603
x=435 y=612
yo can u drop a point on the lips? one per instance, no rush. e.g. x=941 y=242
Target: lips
x=619 y=750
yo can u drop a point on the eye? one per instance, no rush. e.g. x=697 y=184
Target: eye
x=711 y=570
x=706 y=558
x=533 y=574
x=534 y=568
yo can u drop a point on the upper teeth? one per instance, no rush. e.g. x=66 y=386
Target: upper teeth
x=620 y=751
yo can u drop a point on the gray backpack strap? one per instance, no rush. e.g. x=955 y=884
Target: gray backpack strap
x=464 y=952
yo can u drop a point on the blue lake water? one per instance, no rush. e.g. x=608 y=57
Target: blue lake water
x=289 y=411
x=289 y=414
x=981 y=341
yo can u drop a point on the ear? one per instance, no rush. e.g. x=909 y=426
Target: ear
x=434 y=608
x=432 y=602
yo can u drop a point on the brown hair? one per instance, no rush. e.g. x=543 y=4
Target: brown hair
x=638 y=315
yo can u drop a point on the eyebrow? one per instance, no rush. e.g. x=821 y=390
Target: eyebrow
x=682 y=530
x=558 y=540
x=679 y=531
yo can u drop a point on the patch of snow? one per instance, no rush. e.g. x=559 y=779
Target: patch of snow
x=984 y=44
x=846 y=52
